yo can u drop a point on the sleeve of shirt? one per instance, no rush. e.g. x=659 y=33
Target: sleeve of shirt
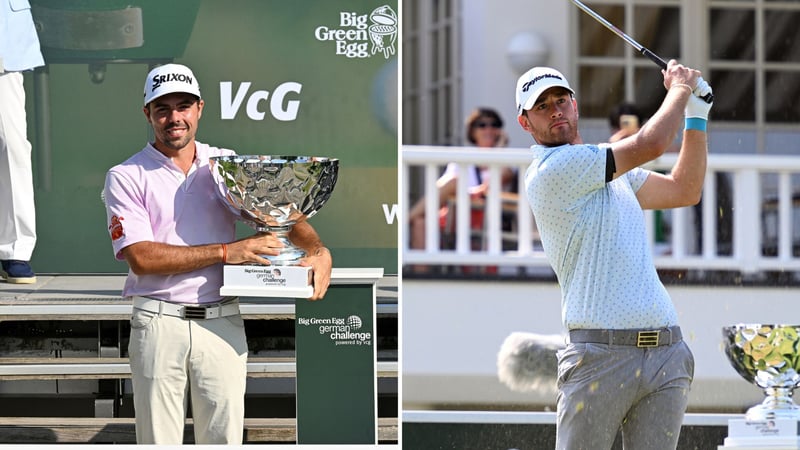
x=127 y=219
x=637 y=177
x=451 y=170
x=19 y=43
x=611 y=164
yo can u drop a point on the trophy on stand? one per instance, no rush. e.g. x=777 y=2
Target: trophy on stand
x=272 y=193
x=769 y=357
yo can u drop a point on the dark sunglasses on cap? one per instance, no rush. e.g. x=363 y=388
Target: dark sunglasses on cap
x=486 y=124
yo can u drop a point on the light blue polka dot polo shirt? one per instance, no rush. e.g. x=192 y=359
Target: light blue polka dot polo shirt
x=594 y=236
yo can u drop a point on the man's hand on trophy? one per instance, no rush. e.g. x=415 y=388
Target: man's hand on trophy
x=321 y=263
x=252 y=249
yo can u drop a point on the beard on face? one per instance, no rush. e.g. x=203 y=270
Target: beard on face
x=555 y=137
x=178 y=142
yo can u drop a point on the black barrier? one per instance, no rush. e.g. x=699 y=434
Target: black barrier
x=494 y=436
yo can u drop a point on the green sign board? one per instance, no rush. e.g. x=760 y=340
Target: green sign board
x=336 y=371
x=306 y=77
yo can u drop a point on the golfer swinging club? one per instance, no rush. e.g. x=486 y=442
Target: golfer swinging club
x=625 y=366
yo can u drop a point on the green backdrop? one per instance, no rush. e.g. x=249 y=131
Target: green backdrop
x=347 y=110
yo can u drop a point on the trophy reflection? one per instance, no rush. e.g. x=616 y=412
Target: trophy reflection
x=272 y=193
x=769 y=357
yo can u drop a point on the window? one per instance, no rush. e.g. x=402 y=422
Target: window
x=748 y=48
x=754 y=56
x=610 y=70
x=431 y=72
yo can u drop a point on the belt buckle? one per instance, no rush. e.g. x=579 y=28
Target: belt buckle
x=193 y=312
x=645 y=339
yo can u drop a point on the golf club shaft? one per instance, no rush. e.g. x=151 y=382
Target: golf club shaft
x=639 y=47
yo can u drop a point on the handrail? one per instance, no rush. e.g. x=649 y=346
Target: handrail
x=100 y=368
x=762 y=188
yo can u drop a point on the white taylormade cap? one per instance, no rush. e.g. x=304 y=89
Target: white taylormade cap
x=168 y=79
x=535 y=81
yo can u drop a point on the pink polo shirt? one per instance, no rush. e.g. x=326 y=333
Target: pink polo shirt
x=148 y=198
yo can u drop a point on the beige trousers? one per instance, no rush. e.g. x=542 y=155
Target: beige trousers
x=17 y=213
x=172 y=358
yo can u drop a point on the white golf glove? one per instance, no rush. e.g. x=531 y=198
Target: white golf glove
x=697 y=107
x=702 y=88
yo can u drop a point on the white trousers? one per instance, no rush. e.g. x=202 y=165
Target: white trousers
x=17 y=211
x=172 y=357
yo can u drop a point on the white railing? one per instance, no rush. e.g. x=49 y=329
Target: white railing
x=764 y=214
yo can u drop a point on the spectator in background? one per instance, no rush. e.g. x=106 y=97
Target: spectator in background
x=19 y=52
x=484 y=129
x=625 y=119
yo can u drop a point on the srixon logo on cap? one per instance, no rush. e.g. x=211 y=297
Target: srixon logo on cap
x=540 y=77
x=182 y=77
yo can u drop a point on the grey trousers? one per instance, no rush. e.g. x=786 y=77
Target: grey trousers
x=604 y=388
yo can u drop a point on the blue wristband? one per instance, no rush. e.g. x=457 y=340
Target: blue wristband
x=696 y=123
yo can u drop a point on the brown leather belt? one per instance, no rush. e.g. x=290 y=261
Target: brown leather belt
x=636 y=338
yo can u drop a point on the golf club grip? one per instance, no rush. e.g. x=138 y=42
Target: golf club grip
x=708 y=98
x=655 y=58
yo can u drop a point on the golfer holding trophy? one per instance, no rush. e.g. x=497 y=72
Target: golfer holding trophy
x=166 y=221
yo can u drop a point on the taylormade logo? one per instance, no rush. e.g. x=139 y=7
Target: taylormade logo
x=540 y=77
x=182 y=77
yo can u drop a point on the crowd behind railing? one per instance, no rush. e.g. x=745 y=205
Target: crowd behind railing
x=747 y=223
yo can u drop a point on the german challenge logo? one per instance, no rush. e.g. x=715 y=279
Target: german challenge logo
x=362 y=35
x=340 y=330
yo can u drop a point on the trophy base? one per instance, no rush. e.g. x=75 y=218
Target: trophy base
x=777 y=405
x=772 y=443
x=769 y=433
x=759 y=412
x=267 y=281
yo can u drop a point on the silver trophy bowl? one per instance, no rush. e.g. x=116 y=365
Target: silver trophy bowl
x=272 y=193
x=769 y=357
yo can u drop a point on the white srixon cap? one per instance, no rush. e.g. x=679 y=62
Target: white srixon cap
x=535 y=81
x=168 y=79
